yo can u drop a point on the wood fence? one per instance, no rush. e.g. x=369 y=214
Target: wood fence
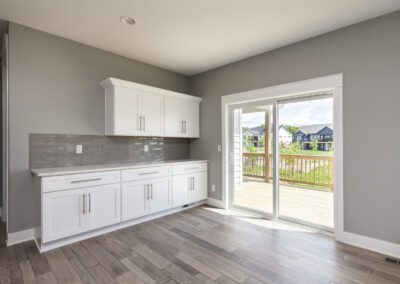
x=294 y=169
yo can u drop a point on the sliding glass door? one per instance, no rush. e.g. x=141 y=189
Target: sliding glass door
x=253 y=128
x=282 y=159
x=306 y=149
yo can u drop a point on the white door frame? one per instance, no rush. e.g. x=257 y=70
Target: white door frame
x=332 y=84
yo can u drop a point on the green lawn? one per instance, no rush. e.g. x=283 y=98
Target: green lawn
x=302 y=152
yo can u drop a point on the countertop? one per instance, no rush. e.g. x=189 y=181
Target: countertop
x=57 y=171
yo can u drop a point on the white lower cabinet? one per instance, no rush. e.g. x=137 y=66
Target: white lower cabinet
x=143 y=197
x=134 y=200
x=86 y=204
x=104 y=206
x=70 y=212
x=160 y=195
x=63 y=214
x=189 y=188
x=199 y=187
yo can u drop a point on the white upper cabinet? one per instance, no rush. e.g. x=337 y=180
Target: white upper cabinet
x=121 y=112
x=151 y=114
x=133 y=109
x=181 y=118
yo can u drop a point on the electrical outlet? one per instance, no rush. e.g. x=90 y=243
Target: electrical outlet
x=219 y=148
x=213 y=187
x=146 y=148
x=79 y=149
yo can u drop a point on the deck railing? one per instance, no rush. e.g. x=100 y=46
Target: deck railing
x=294 y=169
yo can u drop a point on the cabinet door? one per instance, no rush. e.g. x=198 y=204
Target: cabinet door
x=173 y=116
x=160 y=195
x=63 y=214
x=181 y=190
x=151 y=114
x=191 y=119
x=199 y=187
x=134 y=199
x=125 y=112
x=103 y=203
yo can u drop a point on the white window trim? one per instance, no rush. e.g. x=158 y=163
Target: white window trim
x=333 y=84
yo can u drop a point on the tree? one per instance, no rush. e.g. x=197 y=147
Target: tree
x=314 y=144
x=290 y=149
x=292 y=129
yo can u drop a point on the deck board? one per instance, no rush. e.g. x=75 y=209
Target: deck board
x=312 y=206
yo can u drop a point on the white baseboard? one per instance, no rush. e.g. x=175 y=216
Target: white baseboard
x=20 y=236
x=215 y=202
x=379 y=246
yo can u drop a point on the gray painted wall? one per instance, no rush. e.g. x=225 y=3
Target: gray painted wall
x=54 y=88
x=369 y=56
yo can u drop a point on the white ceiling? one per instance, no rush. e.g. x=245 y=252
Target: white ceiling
x=191 y=36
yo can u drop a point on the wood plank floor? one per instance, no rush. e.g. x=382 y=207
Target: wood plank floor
x=200 y=245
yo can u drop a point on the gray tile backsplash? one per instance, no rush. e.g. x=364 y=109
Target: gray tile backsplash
x=58 y=150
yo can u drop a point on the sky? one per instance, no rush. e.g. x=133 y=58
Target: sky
x=296 y=114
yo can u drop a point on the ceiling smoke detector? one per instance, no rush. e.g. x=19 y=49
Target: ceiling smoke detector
x=127 y=20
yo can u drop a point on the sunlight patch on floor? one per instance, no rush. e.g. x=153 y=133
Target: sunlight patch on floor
x=261 y=221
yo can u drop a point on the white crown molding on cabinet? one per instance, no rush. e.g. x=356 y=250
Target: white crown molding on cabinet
x=113 y=82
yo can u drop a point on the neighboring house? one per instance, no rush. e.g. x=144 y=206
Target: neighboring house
x=255 y=136
x=322 y=132
x=285 y=137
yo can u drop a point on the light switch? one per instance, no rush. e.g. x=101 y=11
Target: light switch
x=219 y=148
x=213 y=187
x=79 y=149
x=146 y=148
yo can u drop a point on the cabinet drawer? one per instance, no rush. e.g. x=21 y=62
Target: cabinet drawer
x=189 y=168
x=145 y=173
x=80 y=180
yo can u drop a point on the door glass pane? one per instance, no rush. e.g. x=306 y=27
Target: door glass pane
x=252 y=155
x=306 y=148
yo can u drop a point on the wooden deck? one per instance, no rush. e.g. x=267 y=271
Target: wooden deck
x=312 y=206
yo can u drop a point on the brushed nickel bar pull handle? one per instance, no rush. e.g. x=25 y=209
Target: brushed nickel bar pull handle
x=151 y=186
x=90 y=203
x=193 y=183
x=144 y=123
x=192 y=168
x=190 y=183
x=146 y=187
x=185 y=125
x=85 y=180
x=84 y=204
x=139 y=126
x=148 y=173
